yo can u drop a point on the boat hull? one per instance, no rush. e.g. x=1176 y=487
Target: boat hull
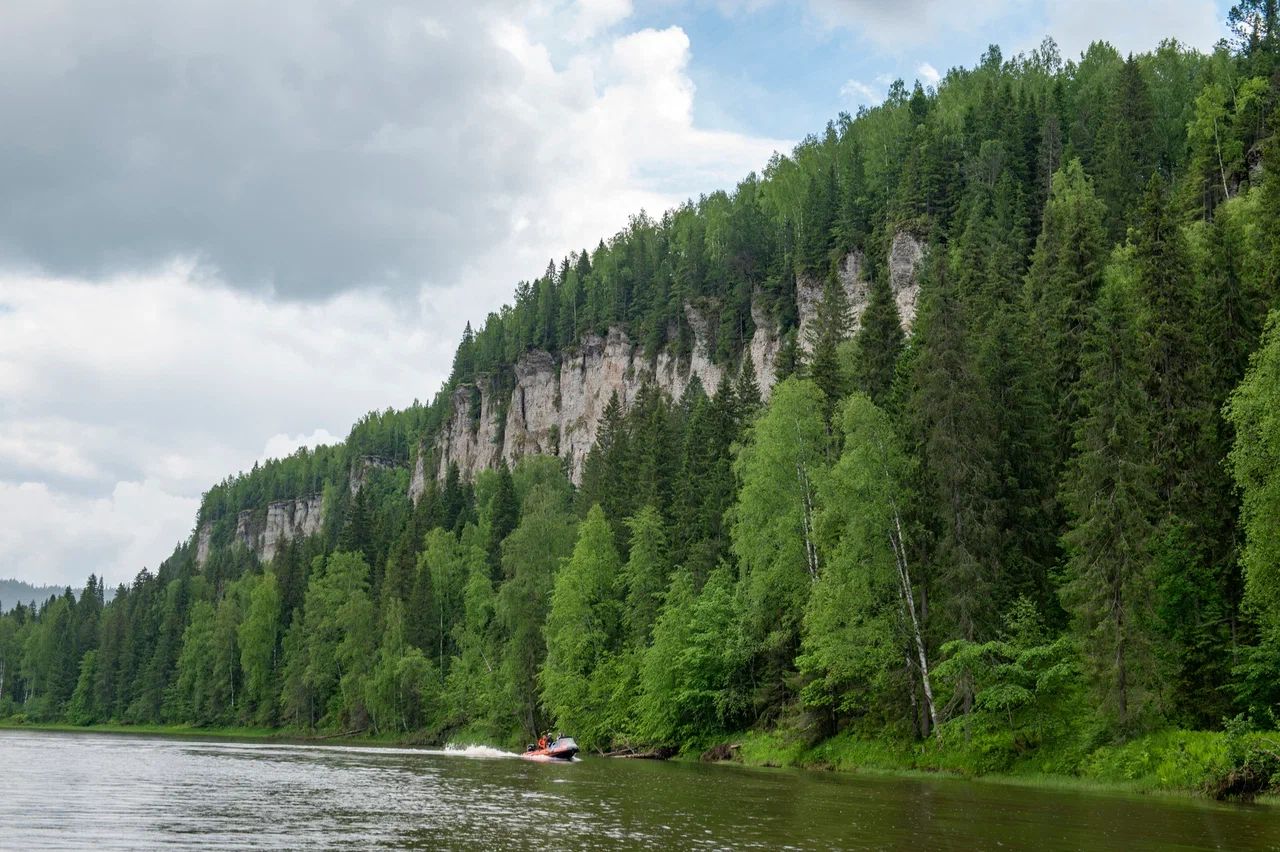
x=560 y=751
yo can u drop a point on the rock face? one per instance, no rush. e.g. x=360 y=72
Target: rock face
x=418 y=482
x=363 y=466
x=285 y=521
x=555 y=406
x=857 y=291
x=905 y=255
x=204 y=537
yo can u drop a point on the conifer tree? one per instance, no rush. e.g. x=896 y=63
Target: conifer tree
x=829 y=329
x=952 y=426
x=747 y=389
x=1109 y=494
x=504 y=515
x=1062 y=284
x=879 y=342
x=1128 y=148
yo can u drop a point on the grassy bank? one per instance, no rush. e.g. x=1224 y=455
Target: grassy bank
x=1211 y=764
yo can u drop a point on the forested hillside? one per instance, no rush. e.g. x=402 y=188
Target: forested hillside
x=1043 y=519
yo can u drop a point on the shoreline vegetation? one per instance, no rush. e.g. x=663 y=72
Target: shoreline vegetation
x=1177 y=764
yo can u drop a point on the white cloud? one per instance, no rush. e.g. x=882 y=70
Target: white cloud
x=591 y=17
x=859 y=93
x=895 y=25
x=126 y=399
x=61 y=538
x=124 y=396
x=1134 y=26
x=279 y=446
x=928 y=74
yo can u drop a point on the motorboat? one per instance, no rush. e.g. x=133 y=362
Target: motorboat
x=558 y=750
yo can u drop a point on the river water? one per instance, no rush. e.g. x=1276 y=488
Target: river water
x=104 y=791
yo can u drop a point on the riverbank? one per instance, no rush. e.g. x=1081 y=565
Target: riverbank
x=1183 y=764
x=1201 y=764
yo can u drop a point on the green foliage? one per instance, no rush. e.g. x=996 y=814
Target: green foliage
x=582 y=630
x=1108 y=494
x=854 y=624
x=1030 y=485
x=781 y=470
x=687 y=691
x=1254 y=411
x=1027 y=693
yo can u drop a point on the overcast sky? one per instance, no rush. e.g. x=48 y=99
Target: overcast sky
x=230 y=228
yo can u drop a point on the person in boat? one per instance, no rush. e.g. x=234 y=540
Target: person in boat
x=542 y=741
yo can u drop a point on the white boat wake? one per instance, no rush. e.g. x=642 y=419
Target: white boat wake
x=458 y=750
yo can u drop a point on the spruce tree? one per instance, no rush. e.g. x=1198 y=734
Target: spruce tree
x=748 y=390
x=951 y=422
x=1128 y=149
x=829 y=329
x=1109 y=493
x=1062 y=284
x=504 y=514
x=879 y=342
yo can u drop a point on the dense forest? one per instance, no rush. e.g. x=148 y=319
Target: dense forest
x=1045 y=519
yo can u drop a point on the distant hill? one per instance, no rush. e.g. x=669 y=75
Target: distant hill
x=14 y=592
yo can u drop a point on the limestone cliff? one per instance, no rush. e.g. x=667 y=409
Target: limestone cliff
x=556 y=404
x=284 y=521
x=905 y=255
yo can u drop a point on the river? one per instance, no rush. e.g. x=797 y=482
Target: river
x=107 y=791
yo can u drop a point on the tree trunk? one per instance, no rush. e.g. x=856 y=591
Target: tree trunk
x=908 y=596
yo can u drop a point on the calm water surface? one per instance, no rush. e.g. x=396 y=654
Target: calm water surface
x=101 y=791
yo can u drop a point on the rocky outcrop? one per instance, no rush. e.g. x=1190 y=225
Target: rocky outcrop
x=363 y=467
x=555 y=408
x=470 y=437
x=284 y=521
x=764 y=348
x=905 y=254
x=418 y=482
x=555 y=405
x=204 y=538
x=857 y=291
